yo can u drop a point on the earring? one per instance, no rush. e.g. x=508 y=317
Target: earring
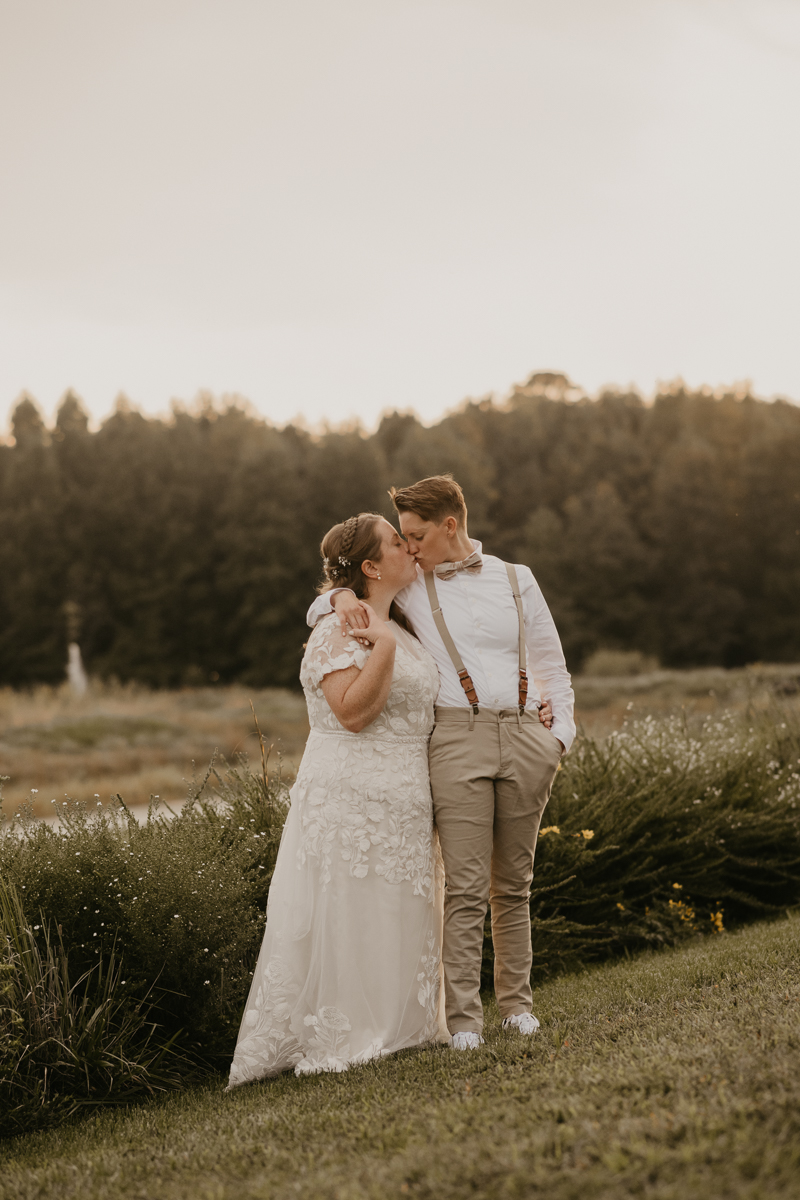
x=378 y=575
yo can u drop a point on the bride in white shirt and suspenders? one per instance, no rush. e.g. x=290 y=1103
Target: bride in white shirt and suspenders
x=492 y=756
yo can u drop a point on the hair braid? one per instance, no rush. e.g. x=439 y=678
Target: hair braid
x=348 y=535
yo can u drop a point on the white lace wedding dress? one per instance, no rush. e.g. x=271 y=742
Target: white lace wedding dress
x=350 y=963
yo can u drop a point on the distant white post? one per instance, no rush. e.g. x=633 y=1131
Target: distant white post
x=76 y=673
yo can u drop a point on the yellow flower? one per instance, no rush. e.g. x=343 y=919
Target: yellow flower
x=549 y=829
x=679 y=886
x=684 y=911
x=716 y=921
x=621 y=907
x=588 y=834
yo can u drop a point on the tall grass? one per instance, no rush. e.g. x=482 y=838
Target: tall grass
x=164 y=917
x=67 y=1042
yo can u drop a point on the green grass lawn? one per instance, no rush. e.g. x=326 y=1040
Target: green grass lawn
x=676 y=1075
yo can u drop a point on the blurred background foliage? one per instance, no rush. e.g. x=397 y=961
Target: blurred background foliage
x=186 y=550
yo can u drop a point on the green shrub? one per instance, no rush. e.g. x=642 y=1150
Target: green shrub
x=184 y=898
x=656 y=834
x=68 y=1042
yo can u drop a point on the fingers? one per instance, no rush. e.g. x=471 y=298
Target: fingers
x=360 y=617
x=361 y=621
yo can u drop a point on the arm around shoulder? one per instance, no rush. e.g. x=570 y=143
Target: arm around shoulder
x=323 y=606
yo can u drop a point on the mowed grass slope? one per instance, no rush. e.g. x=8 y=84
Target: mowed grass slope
x=673 y=1076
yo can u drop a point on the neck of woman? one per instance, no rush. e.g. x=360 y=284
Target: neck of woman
x=380 y=597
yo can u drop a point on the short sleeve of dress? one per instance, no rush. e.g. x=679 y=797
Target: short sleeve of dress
x=328 y=651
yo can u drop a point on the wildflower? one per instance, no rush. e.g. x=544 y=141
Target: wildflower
x=621 y=907
x=678 y=887
x=587 y=834
x=684 y=911
x=549 y=829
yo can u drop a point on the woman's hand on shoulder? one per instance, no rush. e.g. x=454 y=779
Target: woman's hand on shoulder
x=350 y=611
x=376 y=629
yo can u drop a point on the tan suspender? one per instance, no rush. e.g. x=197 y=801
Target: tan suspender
x=452 y=650
x=523 y=674
x=450 y=645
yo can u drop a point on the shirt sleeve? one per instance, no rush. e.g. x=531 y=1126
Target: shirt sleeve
x=322 y=606
x=546 y=663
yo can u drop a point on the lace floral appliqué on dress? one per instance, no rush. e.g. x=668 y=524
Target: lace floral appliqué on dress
x=350 y=963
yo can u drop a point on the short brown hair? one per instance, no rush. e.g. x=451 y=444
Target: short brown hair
x=434 y=499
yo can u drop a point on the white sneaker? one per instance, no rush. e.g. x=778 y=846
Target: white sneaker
x=466 y=1041
x=523 y=1023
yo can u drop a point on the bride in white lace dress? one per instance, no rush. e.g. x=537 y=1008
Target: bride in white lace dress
x=350 y=963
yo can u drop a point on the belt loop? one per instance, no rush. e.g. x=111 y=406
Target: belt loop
x=471 y=717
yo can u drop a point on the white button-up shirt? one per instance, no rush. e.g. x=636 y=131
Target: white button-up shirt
x=481 y=615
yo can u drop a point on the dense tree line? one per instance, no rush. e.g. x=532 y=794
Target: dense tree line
x=186 y=550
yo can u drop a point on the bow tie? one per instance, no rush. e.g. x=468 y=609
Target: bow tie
x=472 y=565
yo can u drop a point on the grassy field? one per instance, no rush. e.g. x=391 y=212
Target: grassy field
x=674 y=1076
x=138 y=742
x=133 y=741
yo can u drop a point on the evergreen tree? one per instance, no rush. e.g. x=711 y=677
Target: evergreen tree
x=187 y=549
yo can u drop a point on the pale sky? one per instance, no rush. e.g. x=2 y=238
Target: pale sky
x=333 y=208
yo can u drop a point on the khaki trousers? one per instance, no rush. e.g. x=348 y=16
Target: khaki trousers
x=491 y=775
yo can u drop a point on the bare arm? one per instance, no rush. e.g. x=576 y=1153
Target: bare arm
x=357 y=696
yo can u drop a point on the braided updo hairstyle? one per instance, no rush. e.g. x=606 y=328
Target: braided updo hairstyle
x=344 y=548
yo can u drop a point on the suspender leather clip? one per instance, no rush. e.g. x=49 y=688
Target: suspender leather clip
x=469 y=688
x=523 y=689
